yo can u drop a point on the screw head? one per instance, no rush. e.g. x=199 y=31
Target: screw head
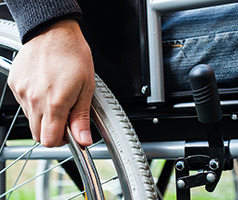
x=180 y=165
x=155 y=120
x=234 y=116
x=180 y=184
x=144 y=89
x=211 y=177
x=213 y=164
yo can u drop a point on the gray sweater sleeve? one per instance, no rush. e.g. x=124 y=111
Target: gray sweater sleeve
x=32 y=16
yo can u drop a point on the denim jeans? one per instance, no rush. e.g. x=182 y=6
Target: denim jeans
x=201 y=36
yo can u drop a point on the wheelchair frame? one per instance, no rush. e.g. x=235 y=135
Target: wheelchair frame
x=184 y=151
x=169 y=150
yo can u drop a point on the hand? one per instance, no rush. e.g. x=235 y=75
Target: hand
x=52 y=78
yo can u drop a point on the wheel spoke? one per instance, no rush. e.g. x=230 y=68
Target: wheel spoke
x=20 y=157
x=33 y=178
x=81 y=193
x=3 y=94
x=41 y=174
x=10 y=129
x=76 y=195
x=111 y=179
x=20 y=173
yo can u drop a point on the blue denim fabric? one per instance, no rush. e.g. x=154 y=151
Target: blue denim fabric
x=201 y=36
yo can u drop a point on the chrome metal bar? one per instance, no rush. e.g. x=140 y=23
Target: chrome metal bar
x=60 y=153
x=176 y=5
x=164 y=150
x=86 y=168
x=157 y=94
x=192 y=105
x=160 y=150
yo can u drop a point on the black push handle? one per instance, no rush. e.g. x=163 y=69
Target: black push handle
x=205 y=94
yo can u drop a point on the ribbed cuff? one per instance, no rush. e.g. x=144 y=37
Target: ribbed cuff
x=33 y=16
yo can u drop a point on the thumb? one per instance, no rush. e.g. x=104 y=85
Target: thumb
x=79 y=122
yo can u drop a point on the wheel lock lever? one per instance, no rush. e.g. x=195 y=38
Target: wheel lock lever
x=209 y=113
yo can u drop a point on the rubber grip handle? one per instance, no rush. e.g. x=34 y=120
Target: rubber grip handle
x=205 y=94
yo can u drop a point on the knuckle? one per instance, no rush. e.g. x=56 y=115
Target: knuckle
x=58 y=108
x=49 y=141
x=56 y=104
x=16 y=89
x=34 y=100
x=52 y=133
x=80 y=117
x=20 y=92
x=84 y=115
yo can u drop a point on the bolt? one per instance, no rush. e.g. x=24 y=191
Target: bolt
x=180 y=184
x=211 y=177
x=180 y=165
x=213 y=164
x=234 y=116
x=155 y=120
x=144 y=89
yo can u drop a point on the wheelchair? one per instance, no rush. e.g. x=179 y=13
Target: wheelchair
x=127 y=48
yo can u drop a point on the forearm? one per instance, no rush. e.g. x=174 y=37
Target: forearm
x=32 y=17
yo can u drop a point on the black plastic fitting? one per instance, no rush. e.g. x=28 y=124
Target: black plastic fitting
x=205 y=94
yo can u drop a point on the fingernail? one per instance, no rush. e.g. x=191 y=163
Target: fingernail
x=85 y=138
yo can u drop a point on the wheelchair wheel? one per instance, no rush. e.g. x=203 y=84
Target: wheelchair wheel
x=108 y=117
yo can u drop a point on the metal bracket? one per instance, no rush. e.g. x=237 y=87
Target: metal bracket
x=207 y=175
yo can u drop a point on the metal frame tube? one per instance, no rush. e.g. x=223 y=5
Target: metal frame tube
x=160 y=150
x=154 y=9
x=175 y=5
x=157 y=94
x=59 y=153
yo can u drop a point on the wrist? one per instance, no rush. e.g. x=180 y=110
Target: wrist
x=46 y=25
x=58 y=31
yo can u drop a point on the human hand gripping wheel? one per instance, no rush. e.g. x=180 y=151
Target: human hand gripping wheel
x=56 y=84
